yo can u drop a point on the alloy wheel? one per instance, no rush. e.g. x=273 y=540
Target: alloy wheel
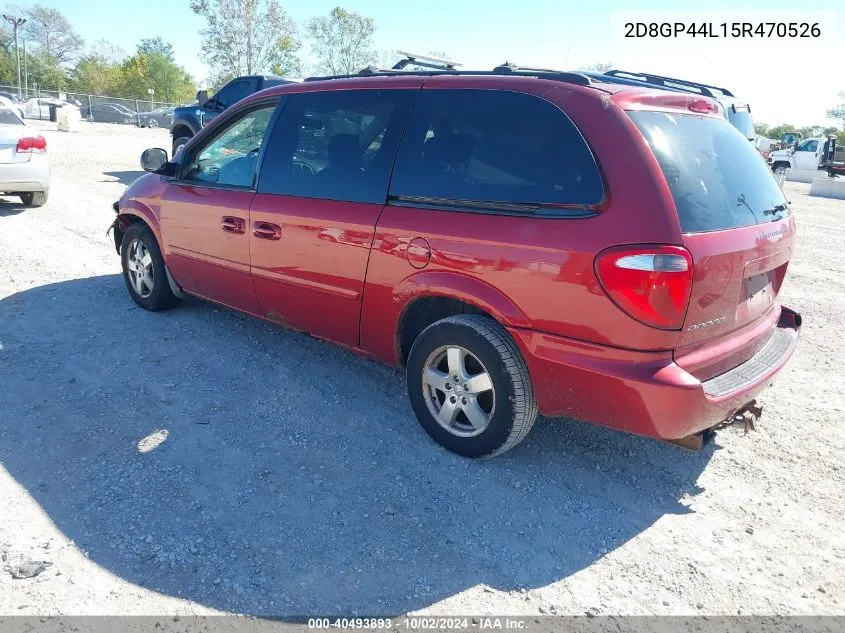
x=139 y=263
x=458 y=390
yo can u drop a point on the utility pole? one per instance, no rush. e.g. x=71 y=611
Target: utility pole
x=25 y=76
x=16 y=24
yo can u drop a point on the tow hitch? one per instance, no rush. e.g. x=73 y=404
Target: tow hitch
x=746 y=416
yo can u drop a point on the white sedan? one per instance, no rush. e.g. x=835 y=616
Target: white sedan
x=12 y=105
x=24 y=168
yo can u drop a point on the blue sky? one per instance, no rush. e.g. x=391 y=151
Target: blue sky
x=783 y=80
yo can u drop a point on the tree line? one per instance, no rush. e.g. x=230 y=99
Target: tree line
x=777 y=132
x=57 y=58
x=241 y=37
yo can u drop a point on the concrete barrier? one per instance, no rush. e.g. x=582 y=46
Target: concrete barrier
x=802 y=175
x=826 y=187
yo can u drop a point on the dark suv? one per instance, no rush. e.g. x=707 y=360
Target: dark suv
x=188 y=120
x=518 y=240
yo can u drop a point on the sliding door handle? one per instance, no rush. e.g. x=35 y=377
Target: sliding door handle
x=267 y=230
x=231 y=224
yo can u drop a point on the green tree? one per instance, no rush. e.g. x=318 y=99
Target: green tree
x=43 y=70
x=143 y=71
x=53 y=33
x=342 y=42
x=8 y=74
x=156 y=45
x=245 y=37
x=99 y=72
x=838 y=111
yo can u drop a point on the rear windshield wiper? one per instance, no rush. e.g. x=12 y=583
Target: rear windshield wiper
x=775 y=210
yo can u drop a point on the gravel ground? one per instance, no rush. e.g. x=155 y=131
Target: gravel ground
x=200 y=461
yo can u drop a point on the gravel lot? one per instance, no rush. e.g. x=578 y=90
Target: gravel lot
x=200 y=461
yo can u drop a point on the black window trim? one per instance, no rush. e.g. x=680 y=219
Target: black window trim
x=490 y=207
x=493 y=207
x=224 y=120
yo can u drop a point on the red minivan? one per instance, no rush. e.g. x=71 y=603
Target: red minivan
x=519 y=241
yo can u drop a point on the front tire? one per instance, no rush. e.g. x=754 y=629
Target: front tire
x=780 y=169
x=34 y=198
x=469 y=386
x=144 y=271
x=178 y=143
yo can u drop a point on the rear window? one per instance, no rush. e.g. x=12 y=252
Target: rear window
x=718 y=180
x=7 y=117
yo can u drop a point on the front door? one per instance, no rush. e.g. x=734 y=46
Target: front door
x=205 y=211
x=322 y=186
x=807 y=154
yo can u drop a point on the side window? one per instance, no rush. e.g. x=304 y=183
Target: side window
x=336 y=144
x=230 y=157
x=808 y=146
x=494 y=146
x=234 y=92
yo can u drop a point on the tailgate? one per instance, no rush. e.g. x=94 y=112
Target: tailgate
x=736 y=224
x=733 y=308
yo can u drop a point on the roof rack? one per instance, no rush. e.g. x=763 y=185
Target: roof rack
x=670 y=82
x=424 y=61
x=508 y=69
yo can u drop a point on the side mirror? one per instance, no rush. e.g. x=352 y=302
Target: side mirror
x=202 y=96
x=153 y=159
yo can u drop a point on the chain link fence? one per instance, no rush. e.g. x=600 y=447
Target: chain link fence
x=36 y=103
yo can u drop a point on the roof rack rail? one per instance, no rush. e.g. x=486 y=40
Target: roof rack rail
x=553 y=75
x=670 y=82
x=546 y=73
x=424 y=61
x=508 y=67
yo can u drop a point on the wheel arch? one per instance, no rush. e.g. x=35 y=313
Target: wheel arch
x=131 y=213
x=427 y=297
x=181 y=125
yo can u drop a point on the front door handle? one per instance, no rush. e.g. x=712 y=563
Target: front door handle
x=267 y=231
x=231 y=224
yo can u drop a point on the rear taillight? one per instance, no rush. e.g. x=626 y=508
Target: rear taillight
x=30 y=144
x=650 y=283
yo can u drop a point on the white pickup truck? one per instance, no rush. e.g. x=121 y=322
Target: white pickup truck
x=808 y=154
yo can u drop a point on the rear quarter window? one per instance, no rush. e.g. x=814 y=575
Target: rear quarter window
x=494 y=146
x=717 y=179
x=7 y=117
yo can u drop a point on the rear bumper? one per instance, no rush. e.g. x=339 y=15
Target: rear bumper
x=646 y=392
x=33 y=175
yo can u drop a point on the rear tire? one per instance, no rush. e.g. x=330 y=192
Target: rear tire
x=490 y=408
x=178 y=143
x=144 y=270
x=34 y=198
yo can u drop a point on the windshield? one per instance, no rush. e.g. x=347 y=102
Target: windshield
x=741 y=120
x=718 y=180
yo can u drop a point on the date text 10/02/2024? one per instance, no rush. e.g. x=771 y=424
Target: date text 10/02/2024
x=723 y=29
x=418 y=623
